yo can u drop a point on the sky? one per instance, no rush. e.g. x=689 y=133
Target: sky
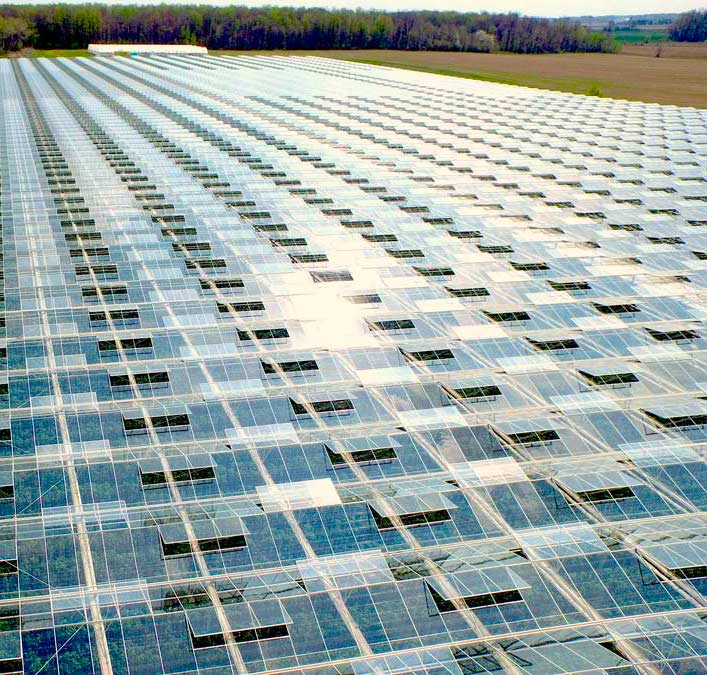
x=528 y=7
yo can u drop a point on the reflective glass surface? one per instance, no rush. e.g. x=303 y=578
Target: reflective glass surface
x=311 y=366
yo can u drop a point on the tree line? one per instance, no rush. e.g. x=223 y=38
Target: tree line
x=75 y=26
x=690 y=27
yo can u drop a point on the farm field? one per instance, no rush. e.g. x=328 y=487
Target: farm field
x=640 y=36
x=672 y=50
x=629 y=75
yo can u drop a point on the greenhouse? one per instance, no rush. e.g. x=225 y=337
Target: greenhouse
x=319 y=367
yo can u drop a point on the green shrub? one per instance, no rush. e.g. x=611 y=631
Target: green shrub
x=594 y=90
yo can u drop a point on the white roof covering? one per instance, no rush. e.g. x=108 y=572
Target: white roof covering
x=146 y=49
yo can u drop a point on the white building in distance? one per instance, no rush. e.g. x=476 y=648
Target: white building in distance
x=107 y=49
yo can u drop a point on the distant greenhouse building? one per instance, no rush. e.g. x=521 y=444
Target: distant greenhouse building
x=109 y=49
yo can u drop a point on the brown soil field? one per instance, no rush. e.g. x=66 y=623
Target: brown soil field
x=671 y=50
x=678 y=80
